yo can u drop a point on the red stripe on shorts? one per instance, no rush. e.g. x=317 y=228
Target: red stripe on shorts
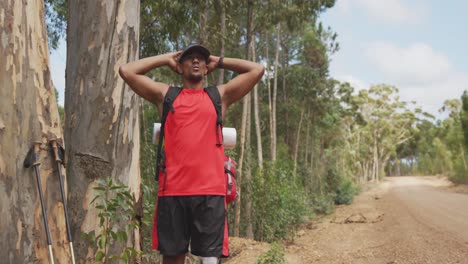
x=226 y=233
x=155 y=227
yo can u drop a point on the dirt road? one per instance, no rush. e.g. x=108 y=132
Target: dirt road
x=402 y=220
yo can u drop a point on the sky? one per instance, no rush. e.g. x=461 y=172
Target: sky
x=419 y=46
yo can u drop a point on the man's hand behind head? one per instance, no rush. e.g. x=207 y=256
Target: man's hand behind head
x=212 y=64
x=172 y=60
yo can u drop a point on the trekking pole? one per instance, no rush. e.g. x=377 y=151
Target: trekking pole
x=59 y=154
x=32 y=160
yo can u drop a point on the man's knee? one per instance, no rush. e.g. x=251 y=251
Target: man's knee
x=209 y=260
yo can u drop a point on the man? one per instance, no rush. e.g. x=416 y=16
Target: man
x=191 y=207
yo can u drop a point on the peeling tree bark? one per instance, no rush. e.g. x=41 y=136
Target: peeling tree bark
x=28 y=112
x=101 y=123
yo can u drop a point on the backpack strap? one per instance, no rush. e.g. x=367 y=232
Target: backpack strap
x=215 y=97
x=169 y=99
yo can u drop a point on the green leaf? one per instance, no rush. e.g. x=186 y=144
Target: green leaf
x=114 y=235
x=122 y=236
x=118 y=187
x=128 y=195
x=102 y=242
x=99 y=256
x=94 y=199
x=132 y=251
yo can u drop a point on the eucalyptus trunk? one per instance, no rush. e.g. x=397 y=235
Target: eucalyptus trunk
x=275 y=92
x=307 y=145
x=248 y=171
x=237 y=207
x=203 y=20
x=245 y=134
x=298 y=139
x=258 y=121
x=102 y=124
x=270 y=99
x=28 y=113
x=222 y=25
x=284 y=65
x=248 y=174
x=375 y=158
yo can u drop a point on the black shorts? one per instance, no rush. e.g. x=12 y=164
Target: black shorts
x=196 y=220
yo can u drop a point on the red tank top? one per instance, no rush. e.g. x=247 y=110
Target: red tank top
x=194 y=163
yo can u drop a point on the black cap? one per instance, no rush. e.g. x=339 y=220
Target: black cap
x=195 y=47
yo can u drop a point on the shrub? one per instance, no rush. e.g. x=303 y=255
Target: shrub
x=459 y=174
x=341 y=187
x=323 y=204
x=278 y=202
x=273 y=256
x=116 y=212
x=346 y=192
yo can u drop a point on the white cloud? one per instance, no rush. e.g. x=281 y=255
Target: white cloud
x=389 y=11
x=432 y=96
x=421 y=73
x=417 y=63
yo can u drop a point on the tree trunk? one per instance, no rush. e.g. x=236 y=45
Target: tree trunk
x=28 y=113
x=275 y=92
x=237 y=208
x=308 y=147
x=102 y=124
x=256 y=111
x=375 y=159
x=222 y=22
x=298 y=138
x=245 y=129
x=270 y=100
x=284 y=64
x=203 y=21
x=143 y=125
x=312 y=143
x=248 y=174
x=248 y=171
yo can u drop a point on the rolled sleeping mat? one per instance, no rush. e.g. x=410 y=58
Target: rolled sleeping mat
x=229 y=136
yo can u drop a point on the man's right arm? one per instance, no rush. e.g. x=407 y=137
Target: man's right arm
x=134 y=75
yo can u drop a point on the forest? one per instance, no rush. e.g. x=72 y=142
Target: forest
x=306 y=141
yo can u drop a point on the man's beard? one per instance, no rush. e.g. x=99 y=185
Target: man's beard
x=195 y=77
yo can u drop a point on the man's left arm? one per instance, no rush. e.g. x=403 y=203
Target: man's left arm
x=249 y=74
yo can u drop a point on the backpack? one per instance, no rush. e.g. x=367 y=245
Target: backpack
x=229 y=163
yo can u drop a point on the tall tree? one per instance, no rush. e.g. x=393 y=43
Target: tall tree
x=258 y=121
x=28 y=112
x=464 y=117
x=274 y=138
x=102 y=125
x=220 y=5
